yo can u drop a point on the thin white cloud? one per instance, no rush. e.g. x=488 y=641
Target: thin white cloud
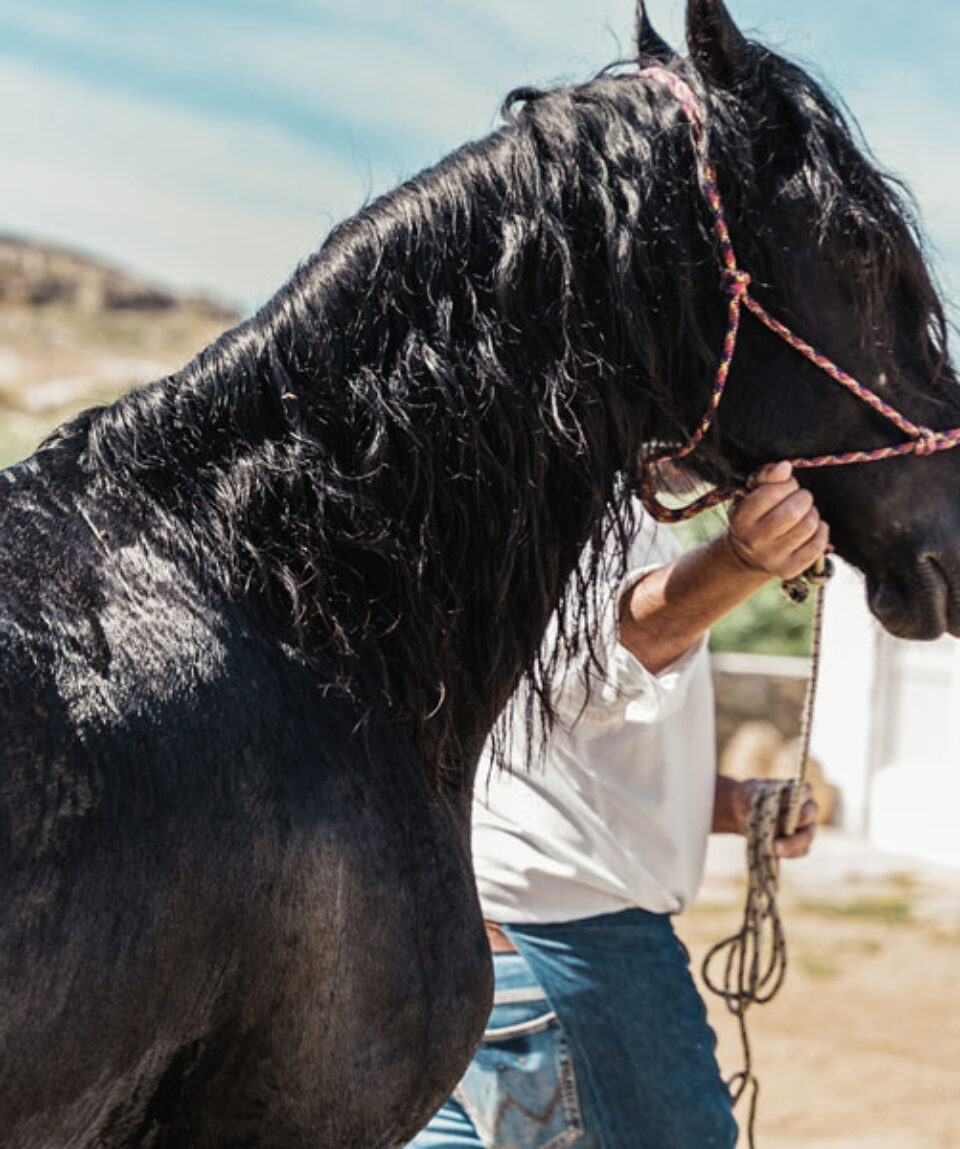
x=424 y=71
x=233 y=197
x=195 y=200
x=217 y=200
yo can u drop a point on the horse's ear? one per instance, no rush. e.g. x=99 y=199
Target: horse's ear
x=650 y=45
x=717 y=46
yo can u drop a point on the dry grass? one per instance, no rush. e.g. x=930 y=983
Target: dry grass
x=56 y=360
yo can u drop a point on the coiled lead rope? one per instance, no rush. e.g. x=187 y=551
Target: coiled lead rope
x=754 y=959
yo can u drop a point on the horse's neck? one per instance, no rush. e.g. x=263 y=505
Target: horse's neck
x=412 y=444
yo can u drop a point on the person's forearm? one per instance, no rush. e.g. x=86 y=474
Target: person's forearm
x=666 y=612
x=729 y=811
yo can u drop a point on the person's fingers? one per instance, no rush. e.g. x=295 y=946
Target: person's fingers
x=808 y=814
x=797 y=845
x=793 y=539
x=759 y=502
x=784 y=516
x=771 y=473
x=809 y=808
x=804 y=557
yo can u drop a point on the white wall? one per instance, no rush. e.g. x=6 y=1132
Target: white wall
x=887 y=729
x=844 y=716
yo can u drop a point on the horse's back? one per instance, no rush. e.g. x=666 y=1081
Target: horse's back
x=235 y=914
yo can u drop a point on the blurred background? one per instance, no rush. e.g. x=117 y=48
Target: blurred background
x=166 y=164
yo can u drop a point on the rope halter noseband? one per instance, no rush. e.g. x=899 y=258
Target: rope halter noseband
x=736 y=284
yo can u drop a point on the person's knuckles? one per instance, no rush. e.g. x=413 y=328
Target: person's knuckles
x=807 y=555
x=787 y=514
x=799 y=504
x=777 y=493
x=775 y=472
x=795 y=545
x=774 y=563
x=811 y=521
x=802 y=531
x=768 y=494
x=810 y=550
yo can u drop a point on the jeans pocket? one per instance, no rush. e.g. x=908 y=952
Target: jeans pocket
x=520 y=1090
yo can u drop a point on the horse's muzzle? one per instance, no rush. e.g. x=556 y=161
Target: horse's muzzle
x=920 y=599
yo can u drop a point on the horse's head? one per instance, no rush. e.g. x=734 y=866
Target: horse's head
x=832 y=251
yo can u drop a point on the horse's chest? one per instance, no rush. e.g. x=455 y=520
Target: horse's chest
x=365 y=987
x=273 y=938
x=365 y=979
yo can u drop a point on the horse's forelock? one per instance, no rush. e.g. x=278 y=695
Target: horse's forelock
x=809 y=157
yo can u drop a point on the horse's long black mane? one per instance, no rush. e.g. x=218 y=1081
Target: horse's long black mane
x=803 y=145
x=391 y=449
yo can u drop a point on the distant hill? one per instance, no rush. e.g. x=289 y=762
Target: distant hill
x=75 y=330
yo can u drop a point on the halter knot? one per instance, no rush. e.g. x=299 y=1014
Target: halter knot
x=736 y=283
x=926 y=443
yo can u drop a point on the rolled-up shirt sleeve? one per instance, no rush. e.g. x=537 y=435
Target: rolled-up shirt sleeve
x=613 y=686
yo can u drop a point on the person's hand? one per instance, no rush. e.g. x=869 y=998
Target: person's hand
x=795 y=845
x=775 y=528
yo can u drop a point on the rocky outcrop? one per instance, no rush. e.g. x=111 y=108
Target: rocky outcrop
x=75 y=330
x=39 y=275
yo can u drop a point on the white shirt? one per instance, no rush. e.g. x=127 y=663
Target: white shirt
x=616 y=813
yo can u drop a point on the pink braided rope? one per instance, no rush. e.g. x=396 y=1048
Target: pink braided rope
x=736 y=284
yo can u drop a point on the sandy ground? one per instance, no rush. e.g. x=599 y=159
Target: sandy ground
x=861 y=1048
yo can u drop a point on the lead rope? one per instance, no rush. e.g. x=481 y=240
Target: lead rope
x=755 y=957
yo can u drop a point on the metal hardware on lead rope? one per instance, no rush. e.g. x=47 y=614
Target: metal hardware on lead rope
x=798 y=589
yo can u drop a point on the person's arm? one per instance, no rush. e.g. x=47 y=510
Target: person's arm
x=774 y=531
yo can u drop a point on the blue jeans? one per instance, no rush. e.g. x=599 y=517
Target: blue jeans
x=598 y=1040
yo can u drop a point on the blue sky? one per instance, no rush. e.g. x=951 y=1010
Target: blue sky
x=212 y=143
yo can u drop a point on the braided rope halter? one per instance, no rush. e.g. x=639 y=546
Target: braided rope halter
x=754 y=960
x=736 y=284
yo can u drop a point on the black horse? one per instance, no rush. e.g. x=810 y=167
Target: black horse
x=257 y=619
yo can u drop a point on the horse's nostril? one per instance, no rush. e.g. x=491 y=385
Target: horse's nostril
x=937 y=580
x=938 y=566
x=948 y=570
